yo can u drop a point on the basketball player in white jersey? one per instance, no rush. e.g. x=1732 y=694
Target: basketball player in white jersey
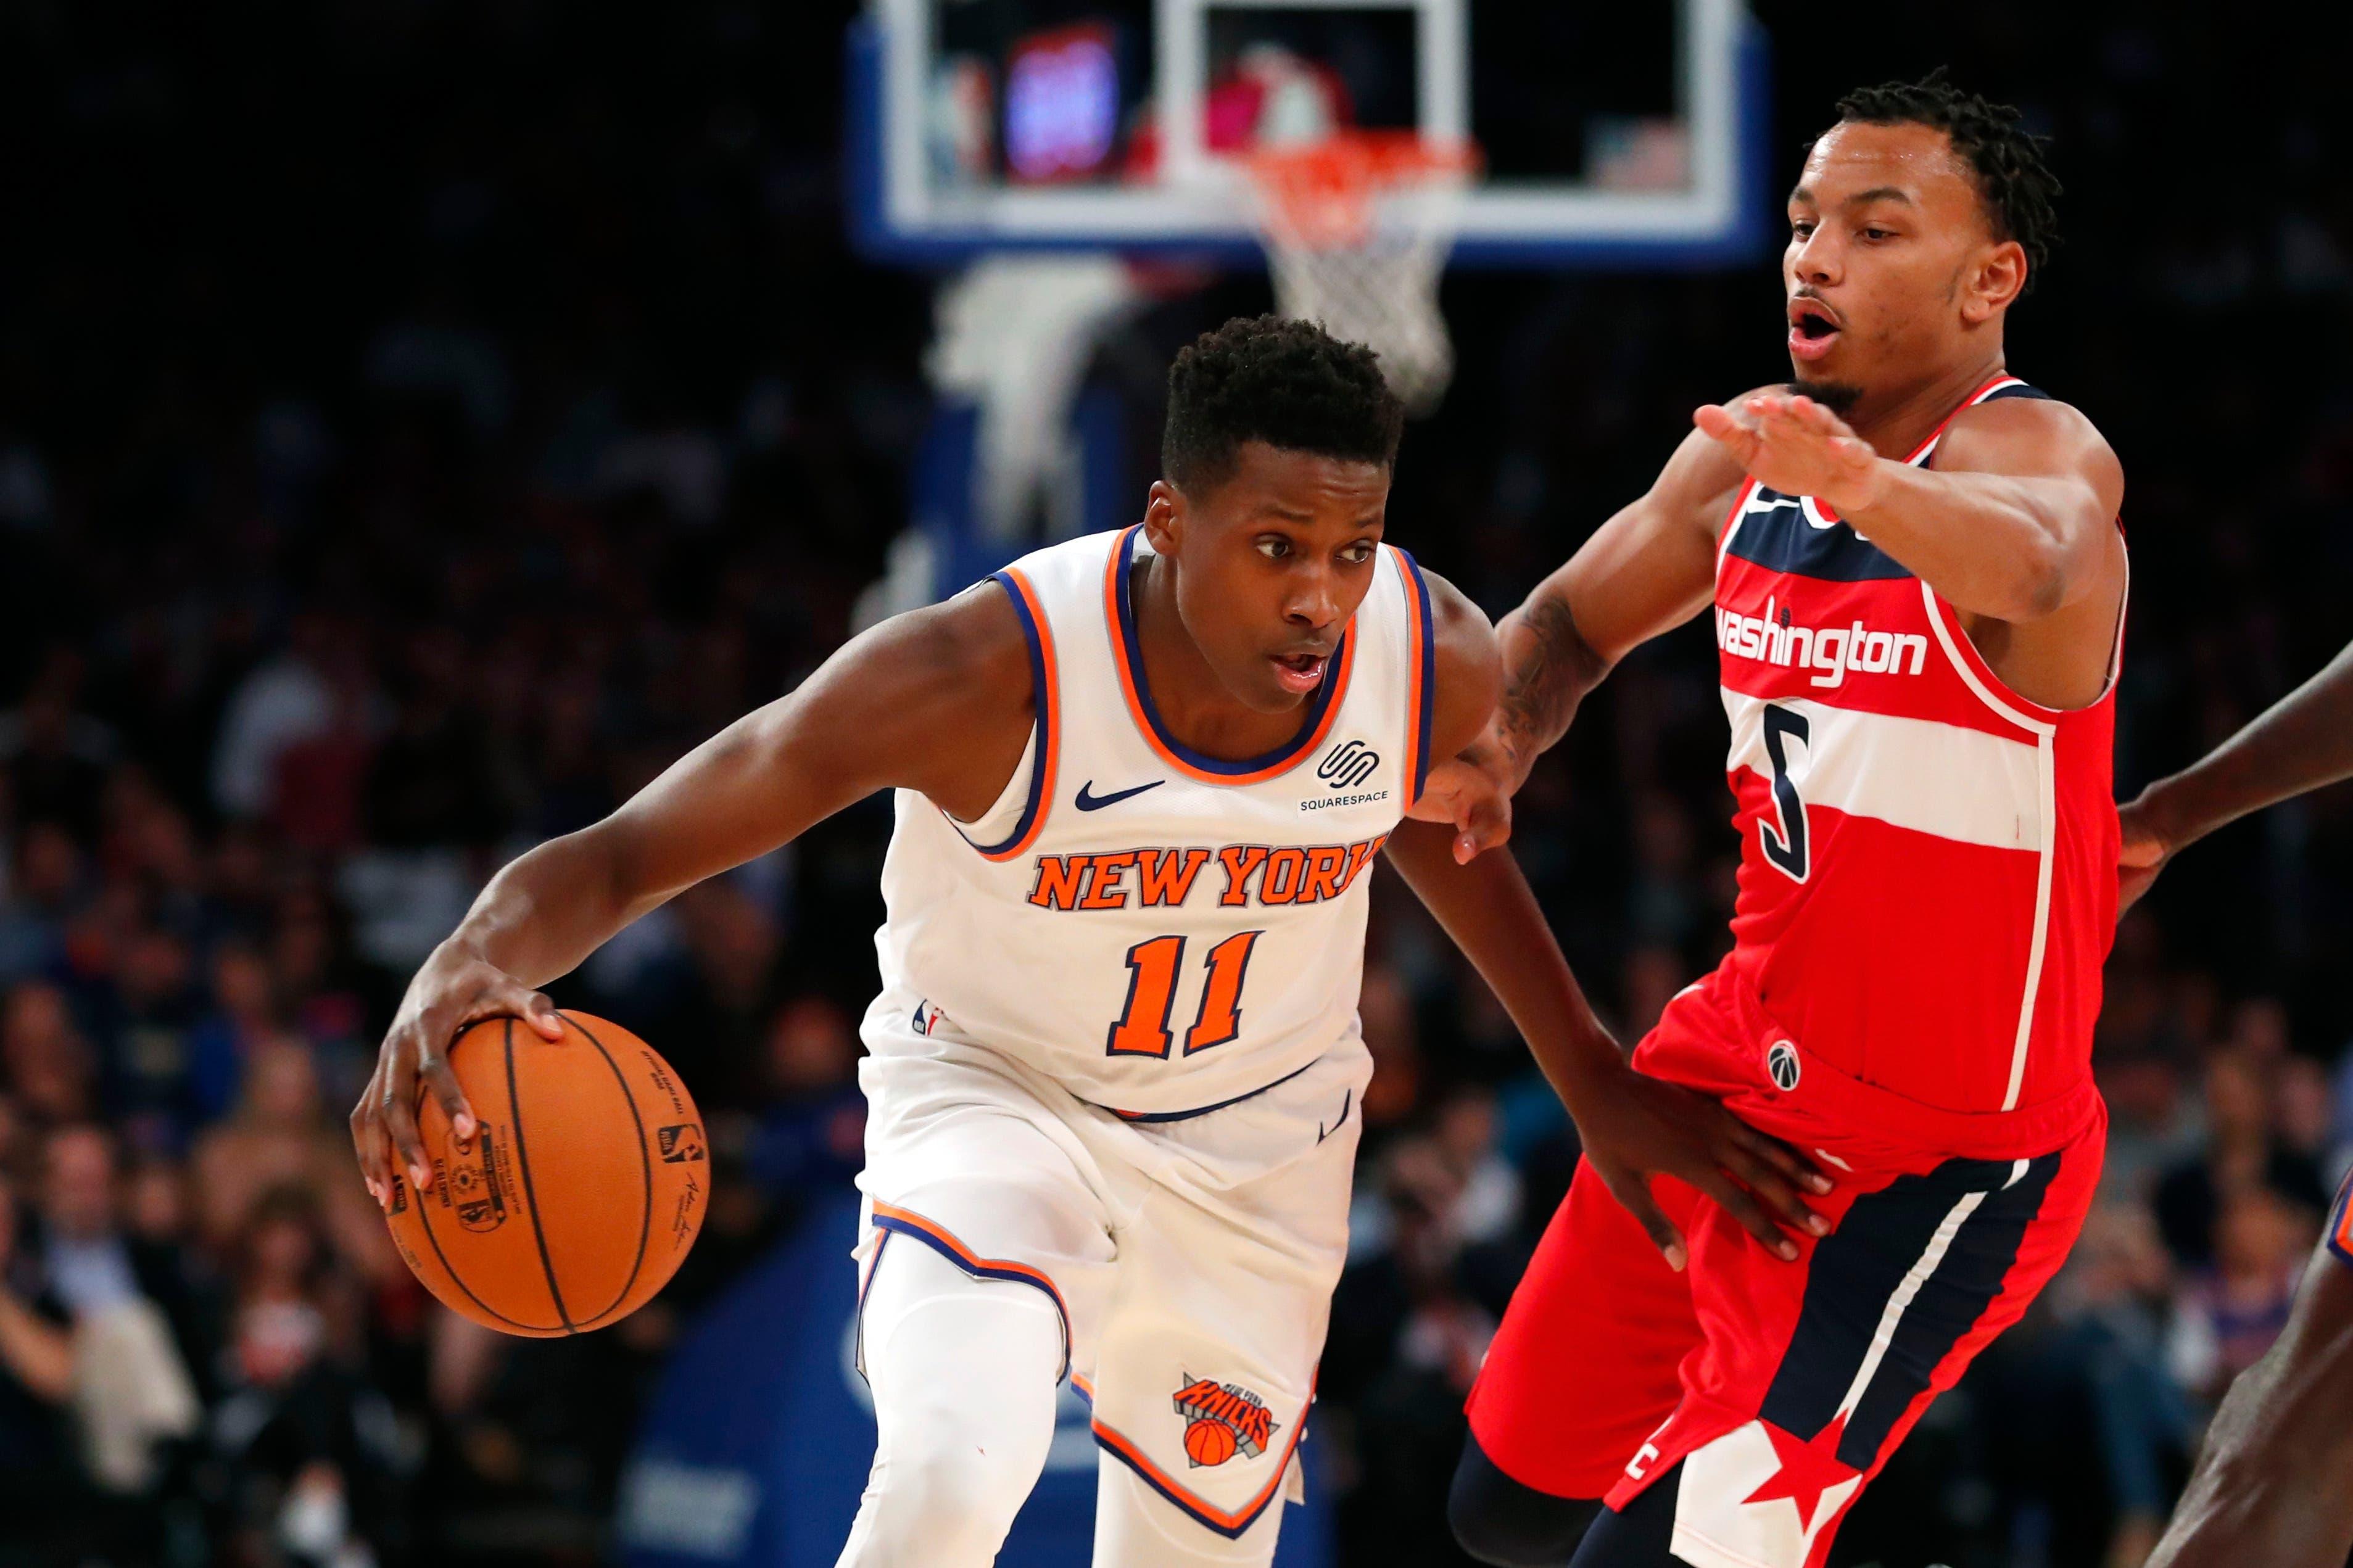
x=1114 y=1067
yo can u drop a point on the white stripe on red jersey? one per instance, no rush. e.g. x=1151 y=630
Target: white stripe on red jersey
x=1928 y=875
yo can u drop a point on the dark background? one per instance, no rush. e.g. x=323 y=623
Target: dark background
x=420 y=422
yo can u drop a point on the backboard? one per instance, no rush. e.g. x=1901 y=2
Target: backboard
x=1613 y=135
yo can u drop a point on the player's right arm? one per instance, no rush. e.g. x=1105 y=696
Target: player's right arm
x=937 y=700
x=1648 y=570
x=2302 y=741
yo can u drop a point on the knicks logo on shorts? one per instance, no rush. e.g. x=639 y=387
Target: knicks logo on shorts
x=1222 y=1420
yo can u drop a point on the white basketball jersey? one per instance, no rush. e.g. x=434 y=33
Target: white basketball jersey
x=1158 y=931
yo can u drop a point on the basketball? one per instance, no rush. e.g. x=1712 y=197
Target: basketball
x=578 y=1195
x=1208 y=1442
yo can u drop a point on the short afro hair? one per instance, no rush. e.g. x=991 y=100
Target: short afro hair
x=2018 y=188
x=1286 y=383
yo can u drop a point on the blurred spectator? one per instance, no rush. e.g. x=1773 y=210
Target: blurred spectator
x=56 y=757
x=50 y=1072
x=812 y=1136
x=2241 y=1154
x=1386 y=1015
x=298 y=1419
x=281 y=1139
x=91 y=1265
x=2107 y=1349
x=46 y=881
x=36 y=1374
x=278 y=705
x=2232 y=1311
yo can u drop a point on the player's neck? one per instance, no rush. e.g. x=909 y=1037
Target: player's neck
x=1194 y=705
x=1898 y=421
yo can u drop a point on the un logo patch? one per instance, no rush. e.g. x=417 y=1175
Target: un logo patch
x=1781 y=1062
x=1347 y=764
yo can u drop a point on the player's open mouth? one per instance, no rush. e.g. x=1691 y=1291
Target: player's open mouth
x=1813 y=330
x=1300 y=672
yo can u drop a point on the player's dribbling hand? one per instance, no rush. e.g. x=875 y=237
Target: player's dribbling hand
x=453 y=990
x=1471 y=793
x=1791 y=443
x=1635 y=1127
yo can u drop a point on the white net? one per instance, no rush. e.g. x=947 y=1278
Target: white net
x=1357 y=230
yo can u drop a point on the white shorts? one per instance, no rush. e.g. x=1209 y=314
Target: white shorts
x=1192 y=1260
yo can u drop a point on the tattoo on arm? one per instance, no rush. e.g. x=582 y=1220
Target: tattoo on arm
x=1549 y=668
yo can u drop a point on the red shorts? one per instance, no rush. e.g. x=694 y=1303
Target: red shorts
x=1779 y=1388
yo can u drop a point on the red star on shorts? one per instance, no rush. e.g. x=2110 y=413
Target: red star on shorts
x=1807 y=1469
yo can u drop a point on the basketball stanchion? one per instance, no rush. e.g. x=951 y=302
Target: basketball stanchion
x=1357 y=229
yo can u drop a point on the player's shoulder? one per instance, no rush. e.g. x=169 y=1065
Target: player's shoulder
x=2025 y=430
x=2021 y=406
x=1467 y=665
x=972 y=646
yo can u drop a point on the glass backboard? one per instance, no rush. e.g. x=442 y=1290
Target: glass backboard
x=1618 y=135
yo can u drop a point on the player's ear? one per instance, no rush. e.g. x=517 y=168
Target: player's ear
x=1994 y=283
x=1163 y=517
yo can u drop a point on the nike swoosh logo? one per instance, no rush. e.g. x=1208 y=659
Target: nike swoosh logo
x=1087 y=801
x=1321 y=1131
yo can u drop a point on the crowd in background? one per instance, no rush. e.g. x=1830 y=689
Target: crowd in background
x=403 y=457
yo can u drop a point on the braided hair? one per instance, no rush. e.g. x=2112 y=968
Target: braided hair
x=2016 y=185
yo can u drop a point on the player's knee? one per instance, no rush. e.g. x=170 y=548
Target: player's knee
x=1507 y=1524
x=965 y=1394
x=955 y=1498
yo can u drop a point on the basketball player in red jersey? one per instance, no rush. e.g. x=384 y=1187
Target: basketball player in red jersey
x=2274 y=1484
x=1918 y=586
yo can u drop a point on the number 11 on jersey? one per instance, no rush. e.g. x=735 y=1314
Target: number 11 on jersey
x=1142 y=1028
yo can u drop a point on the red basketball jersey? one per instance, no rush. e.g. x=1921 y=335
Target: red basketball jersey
x=1928 y=860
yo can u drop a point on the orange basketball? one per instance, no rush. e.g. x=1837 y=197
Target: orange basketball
x=1208 y=1442
x=580 y=1191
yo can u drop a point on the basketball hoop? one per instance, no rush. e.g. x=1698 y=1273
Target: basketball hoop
x=1356 y=230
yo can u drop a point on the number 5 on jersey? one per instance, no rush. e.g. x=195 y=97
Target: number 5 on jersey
x=1142 y=1028
x=1787 y=848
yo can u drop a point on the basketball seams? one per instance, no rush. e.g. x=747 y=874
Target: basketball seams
x=531 y=1199
x=424 y=1224
x=645 y=1164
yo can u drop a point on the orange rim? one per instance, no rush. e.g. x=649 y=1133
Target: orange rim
x=1322 y=195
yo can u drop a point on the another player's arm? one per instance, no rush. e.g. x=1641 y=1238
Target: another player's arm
x=2302 y=741
x=2275 y=1483
x=1632 y=1126
x=1650 y=568
x=2015 y=526
x=937 y=700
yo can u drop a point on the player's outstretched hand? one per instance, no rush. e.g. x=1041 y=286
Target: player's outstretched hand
x=1636 y=1127
x=1471 y=793
x=453 y=990
x=2146 y=848
x=1791 y=443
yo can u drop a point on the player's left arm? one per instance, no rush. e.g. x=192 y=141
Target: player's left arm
x=2275 y=1483
x=1632 y=1126
x=2302 y=741
x=2015 y=526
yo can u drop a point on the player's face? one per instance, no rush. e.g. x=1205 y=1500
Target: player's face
x=1892 y=268
x=1271 y=564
